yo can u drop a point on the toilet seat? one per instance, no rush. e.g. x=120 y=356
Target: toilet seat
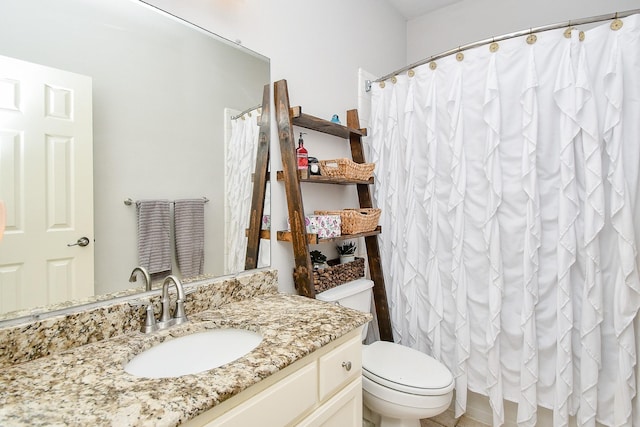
x=404 y=369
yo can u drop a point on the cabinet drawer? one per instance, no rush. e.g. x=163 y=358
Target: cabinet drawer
x=278 y=405
x=339 y=367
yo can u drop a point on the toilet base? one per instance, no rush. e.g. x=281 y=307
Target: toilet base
x=387 y=414
x=395 y=422
x=373 y=419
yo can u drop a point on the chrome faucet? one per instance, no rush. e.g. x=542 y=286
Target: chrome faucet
x=166 y=319
x=179 y=315
x=145 y=274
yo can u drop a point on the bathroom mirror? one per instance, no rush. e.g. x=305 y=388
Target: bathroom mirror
x=163 y=91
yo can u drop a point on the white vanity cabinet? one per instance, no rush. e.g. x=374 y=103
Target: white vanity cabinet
x=322 y=389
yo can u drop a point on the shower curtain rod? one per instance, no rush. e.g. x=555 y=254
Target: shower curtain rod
x=237 y=116
x=570 y=23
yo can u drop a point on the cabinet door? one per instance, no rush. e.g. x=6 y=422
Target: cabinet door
x=342 y=410
x=278 y=405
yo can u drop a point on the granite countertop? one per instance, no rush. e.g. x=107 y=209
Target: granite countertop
x=88 y=386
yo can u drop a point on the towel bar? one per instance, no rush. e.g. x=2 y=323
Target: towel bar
x=129 y=202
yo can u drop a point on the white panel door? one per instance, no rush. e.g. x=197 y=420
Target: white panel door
x=46 y=183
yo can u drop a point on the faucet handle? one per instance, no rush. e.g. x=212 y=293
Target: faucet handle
x=179 y=315
x=150 y=324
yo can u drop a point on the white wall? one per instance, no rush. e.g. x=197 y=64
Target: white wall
x=317 y=47
x=473 y=20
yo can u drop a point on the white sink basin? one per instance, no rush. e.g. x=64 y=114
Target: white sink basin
x=193 y=353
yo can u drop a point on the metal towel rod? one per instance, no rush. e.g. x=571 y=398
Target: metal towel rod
x=129 y=202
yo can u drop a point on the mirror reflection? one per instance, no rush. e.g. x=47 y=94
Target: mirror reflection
x=159 y=101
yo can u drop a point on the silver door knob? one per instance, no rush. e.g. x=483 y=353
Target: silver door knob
x=82 y=242
x=346 y=365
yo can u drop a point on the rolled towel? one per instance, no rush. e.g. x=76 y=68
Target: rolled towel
x=154 y=236
x=188 y=216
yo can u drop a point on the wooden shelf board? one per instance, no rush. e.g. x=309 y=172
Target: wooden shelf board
x=319 y=179
x=325 y=126
x=264 y=234
x=285 y=236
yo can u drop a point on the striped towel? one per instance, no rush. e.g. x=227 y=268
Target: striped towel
x=188 y=216
x=154 y=236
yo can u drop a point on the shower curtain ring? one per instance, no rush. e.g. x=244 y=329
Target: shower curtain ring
x=493 y=47
x=567 y=32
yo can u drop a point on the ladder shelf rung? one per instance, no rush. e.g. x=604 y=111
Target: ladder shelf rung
x=319 y=179
x=313 y=239
x=264 y=234
x=325 y=126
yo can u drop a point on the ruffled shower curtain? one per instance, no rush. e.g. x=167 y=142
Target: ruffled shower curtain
x=240 y=165
x=508 y=182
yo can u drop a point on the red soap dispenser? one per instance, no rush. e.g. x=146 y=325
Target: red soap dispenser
x=303 y=158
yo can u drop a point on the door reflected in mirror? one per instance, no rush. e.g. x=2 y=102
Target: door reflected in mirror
x=161 y=96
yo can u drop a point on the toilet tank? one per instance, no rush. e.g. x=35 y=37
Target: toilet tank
x=355 y=295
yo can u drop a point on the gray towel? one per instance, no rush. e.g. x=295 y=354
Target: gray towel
x=188 y=216
x=154 y=236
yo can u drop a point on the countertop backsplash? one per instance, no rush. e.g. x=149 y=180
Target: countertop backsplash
x=37 y=338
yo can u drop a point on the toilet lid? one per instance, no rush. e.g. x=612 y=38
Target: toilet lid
x=405 y=369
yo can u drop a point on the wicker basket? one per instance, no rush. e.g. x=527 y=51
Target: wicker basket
x=337 y=274
x=353 y=221
x=346 y=168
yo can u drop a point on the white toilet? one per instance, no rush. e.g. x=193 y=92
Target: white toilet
x=400 y=384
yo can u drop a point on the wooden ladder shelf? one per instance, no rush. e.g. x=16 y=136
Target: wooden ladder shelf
x=286 y=118
x=254 y=232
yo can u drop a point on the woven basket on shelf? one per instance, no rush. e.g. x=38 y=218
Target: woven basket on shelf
x=353 y=221
x=337 y=274
x=346 y=168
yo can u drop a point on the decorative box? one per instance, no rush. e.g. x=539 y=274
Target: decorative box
x=325 y=226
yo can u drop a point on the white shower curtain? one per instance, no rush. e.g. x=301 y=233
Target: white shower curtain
x=508 y=183
x=240 y=165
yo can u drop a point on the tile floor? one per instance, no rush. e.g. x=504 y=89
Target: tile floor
x=446 y=419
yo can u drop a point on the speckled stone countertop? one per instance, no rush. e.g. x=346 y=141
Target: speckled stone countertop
x=88 y=386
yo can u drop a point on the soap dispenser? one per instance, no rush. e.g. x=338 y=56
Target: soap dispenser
x=303 y=158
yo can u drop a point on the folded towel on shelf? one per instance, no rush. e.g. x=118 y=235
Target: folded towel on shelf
x=154 y=237
x=188 y=216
